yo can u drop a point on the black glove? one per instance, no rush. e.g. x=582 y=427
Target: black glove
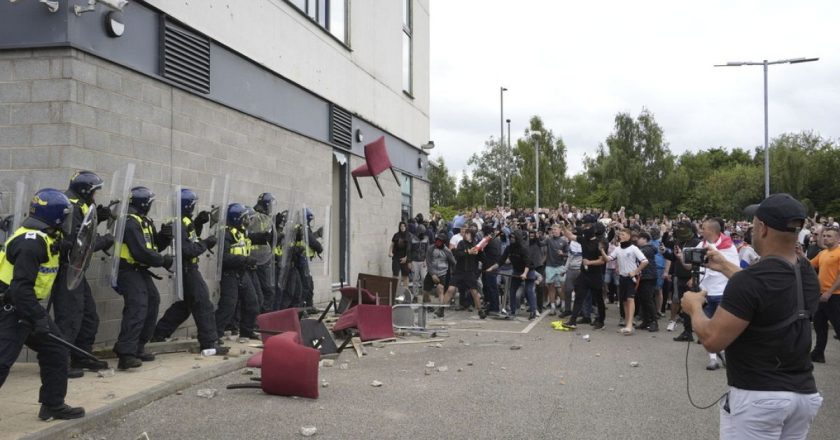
x=319 y=232
x=165 y=232
x=210 y=242
x=6 y=224
x=41 y=328
x=202 y=218
x=167 y=261
x=107 y=241
x=103 y=213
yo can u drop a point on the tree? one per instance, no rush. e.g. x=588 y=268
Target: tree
x=491 y=169
x=552 y=160
x=441 y=183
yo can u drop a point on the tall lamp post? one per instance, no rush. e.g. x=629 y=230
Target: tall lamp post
x=536 y=136
x=502 y=91
x=508 y=167
x=766 y=63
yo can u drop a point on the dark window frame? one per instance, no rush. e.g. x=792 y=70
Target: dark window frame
x=325 y=27
x=408 y=31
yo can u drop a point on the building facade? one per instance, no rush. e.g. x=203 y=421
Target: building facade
x=282 y=95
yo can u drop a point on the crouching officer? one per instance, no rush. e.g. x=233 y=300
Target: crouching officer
x=237 y=265
x=140 y=251
x=75 y=310
x=196 y=294
x=28 y=269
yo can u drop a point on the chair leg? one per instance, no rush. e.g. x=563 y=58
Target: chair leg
x=376 y=179
x=356 y=181
x=395 y=176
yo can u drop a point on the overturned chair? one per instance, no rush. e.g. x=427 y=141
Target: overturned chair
x=288 y=368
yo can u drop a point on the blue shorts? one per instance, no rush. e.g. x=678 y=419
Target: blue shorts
x=555 y=275
x=611 y=276
x=659 y=279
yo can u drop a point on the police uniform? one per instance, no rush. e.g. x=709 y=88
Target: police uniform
x=236 y=285
x=75 y=309
x=196 y=294
x=28 y=268
x=139 y=251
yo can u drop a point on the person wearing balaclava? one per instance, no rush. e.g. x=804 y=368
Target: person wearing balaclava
x=523 y=272
x=589 y=283
x=399 y=253
x=438 y=260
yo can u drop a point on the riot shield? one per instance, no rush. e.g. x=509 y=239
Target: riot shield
x=218 y=220
x=123 y=180
x=288 y=289
x=20 y=207
x=259 y=224
x=79 y=257
x=325 y=241
x=272 y=263
x=177 y=237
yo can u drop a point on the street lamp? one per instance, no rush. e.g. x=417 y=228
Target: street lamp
x=508 y=166
x=766 y=63
x=502 y=91
x=536 y=135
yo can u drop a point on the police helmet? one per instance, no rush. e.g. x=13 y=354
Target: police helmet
x=188 y=200
x=309 y=215
x=236 y=215
x=264 y=202
x=50 y=206
x=141 y=199
x=84 y=184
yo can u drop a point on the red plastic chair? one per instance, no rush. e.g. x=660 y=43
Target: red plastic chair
x=280 y=321
x=289 y=369
x=373 y=322
x=376 y=161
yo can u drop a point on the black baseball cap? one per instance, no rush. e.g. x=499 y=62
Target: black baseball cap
x=780 y=211
x=589 y=218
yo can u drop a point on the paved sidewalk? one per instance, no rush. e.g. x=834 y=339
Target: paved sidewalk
x=108 y=396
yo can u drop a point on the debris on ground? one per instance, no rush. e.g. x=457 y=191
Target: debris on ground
x=470 y=364
x=344 y=366
x=443 y=369
x=110 y=396
x=634 y=364
x=376 y=384
x=586 y=337
x=105 y=373
x=143 y=436
x=308 y=431
x=327 y=363
x=430 y=364
x=248 y=372
x=460 y=370
x=207 y=393
x=324 y=384
x=516 y=347
x=196 y=366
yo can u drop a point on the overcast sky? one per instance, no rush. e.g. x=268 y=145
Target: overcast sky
x=576 y=64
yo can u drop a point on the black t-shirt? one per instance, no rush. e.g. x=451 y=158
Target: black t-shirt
x=400 y=241
x=778 y=360
x=591 y=250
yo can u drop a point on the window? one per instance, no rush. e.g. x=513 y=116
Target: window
x=331 y=15
x=405 y=189
x=407 y=77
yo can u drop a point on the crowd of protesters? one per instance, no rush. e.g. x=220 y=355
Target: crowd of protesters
x=574 y=262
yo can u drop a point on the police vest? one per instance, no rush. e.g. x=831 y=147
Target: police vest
x=83 y=206
x=46 y=272
x=192 y=236
x=300 y=244
x=240 y=244
x=148 y=239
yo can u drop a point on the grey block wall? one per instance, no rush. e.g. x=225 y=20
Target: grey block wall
x=62 y=110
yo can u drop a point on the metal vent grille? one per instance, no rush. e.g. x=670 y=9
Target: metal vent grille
x=186 y=57
x=341 y=131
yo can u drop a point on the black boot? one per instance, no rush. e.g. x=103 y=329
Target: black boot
x=75 y=373
x=88 y=364
x=129 y=361
x=60 y=412
x=145 y=357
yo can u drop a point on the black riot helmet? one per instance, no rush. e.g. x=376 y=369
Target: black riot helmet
x=264 y=201
x=141 y=199
x=188 y=201
x=84 y=184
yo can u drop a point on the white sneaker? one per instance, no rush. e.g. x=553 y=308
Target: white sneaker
x=671 y=326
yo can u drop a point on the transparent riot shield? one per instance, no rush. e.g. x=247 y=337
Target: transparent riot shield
x=291 y=228
x=82 y=250
x=218 y=213
x=177 y=241
x=272 y=263
x=260 y=223
x=123 y=180
x=325 y=241
x=20 y=207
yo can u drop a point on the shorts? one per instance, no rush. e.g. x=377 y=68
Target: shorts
x=555 y=275
x=611 y=276
x=712 y=303
x=626 y=289
x=398 y=268
x=429 y=283
x=659 y=280
x=465 y=282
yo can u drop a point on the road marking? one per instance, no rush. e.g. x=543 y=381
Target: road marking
x=534 y=322
x=526 y=330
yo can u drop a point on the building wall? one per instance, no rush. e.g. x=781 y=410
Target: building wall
x=365 y=79
x=62 y=110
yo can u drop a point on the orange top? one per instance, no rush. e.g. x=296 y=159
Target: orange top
x=828 y=264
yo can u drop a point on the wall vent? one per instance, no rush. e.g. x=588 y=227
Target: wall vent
x=341 y=131
x=186 y=57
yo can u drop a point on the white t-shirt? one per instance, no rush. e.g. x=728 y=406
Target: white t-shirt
x=712 y=281
x=453 y=242
x=628 y=259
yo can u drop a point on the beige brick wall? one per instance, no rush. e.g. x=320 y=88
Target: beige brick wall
x=63 y=110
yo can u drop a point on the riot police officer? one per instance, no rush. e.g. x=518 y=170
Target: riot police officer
x=28 y=269
x=237 y=285
x=196 y=294
x=75 y=310
x=306 y=252
x=263 y=271
x=139 y=251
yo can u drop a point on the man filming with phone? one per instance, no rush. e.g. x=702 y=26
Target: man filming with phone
x=763 y=322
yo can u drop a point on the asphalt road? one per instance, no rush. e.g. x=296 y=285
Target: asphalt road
x=557 y=385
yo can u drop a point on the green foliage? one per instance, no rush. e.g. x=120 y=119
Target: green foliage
x=446 y=212
x=443 y=191
x=552 y=166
